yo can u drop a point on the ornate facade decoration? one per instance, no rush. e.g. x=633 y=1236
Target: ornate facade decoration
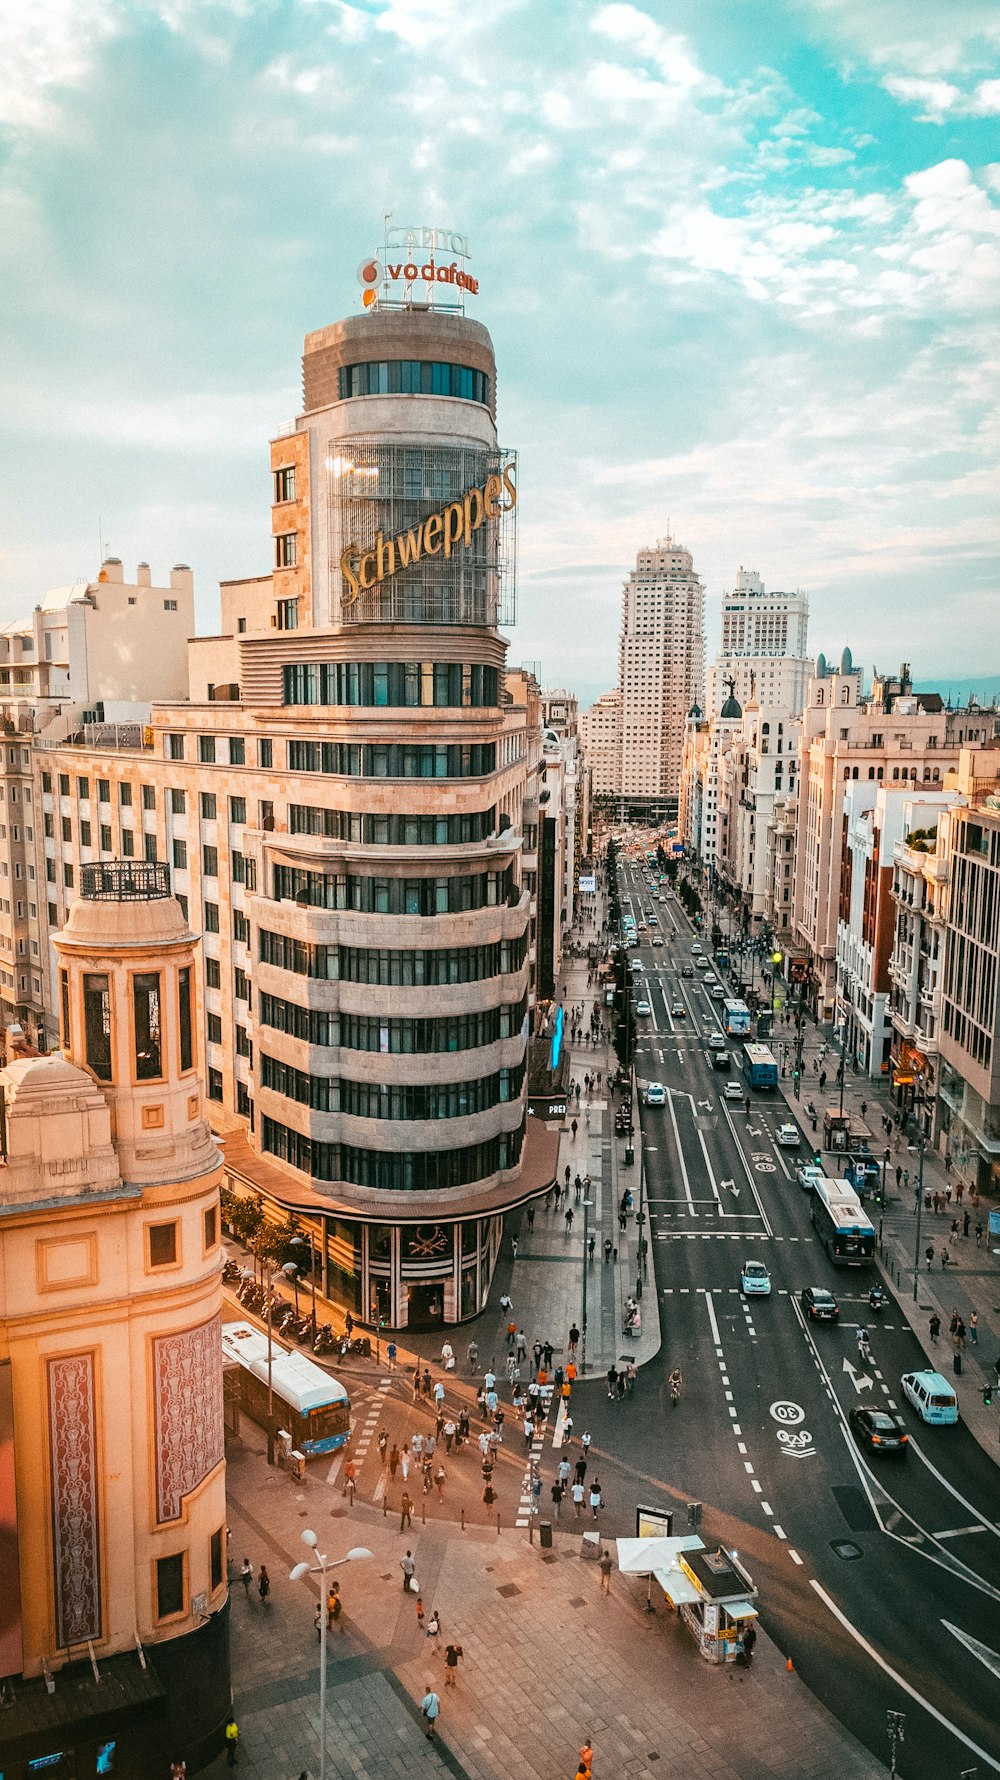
x=187 y=1396
x=75 y=1505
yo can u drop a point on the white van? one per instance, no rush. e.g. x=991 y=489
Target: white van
x=931 y=1395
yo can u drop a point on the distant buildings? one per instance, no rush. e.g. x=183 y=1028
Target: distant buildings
x=763 y=651
x=601 y=741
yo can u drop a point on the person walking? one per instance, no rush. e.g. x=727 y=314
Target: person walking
x=579 y=1493
x=452 y=1657
x=450 y=1431
x=405 y=1511
x=934 y=1327
x=974 y=1328
x=979 y=1235
x=557 y=1496
x=574 y=1339
x=334 y=1608
x=612 y=1380
x=531 y=1218
x=430 y=1706
x=608 y=1245
x=522 y=1346
x=232 y=1739
x=749 y=1640
x=580 y=1469
x=569 y=1219
x=586 y=1442
x=390 y=1356
x=263 y=1584
x=606 y=1567
x=596 y=1497
x=434 y=1628
x=350 y=1480
x=472 y=1354
x=439 y=1478
x=409 y=1570
x=246 y=1577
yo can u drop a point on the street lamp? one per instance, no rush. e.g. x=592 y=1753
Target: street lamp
x=321 y=1568
x=587 y=1204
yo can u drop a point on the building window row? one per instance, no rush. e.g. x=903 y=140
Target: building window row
x=396 y=1100
x=377 y=1032
x=394 y=830
x=413 y=377
x=395 y=896
x=391 y=683
x=408 y=1171
x=394 y=760
x=404 y=969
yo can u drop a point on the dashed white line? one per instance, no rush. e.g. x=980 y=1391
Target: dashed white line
x=794 y=1557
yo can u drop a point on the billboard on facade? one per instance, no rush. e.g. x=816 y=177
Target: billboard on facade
x=11 y=1650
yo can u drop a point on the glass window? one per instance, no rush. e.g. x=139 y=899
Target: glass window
x=213 y=974
x=237 y=751
x=162 y=1244
x=148 y=1034
x=206 y=748
x=175 y=747
x=216 y=1549
x=180 y=854
x=210 y=861
x=214 y=1080
x=64 y=1004
x=208 y=806
x=178 y=803
x=125 y=796
x=237 y=810
x=97 y=1025
x=211 y=917
x=170 y=1585
x=265 y=752
x=184 y=1016
x=149 y=797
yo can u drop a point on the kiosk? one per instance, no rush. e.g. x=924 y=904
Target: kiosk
x=714 y=1595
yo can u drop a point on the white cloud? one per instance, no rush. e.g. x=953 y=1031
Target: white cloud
x=46 y=45
x=932 y=98
x=632 y=29
x=923 y=37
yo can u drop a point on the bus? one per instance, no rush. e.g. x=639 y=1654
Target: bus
x=842 y=1227
x=736 y=1019
x=313 y=1407
x=759 y=1068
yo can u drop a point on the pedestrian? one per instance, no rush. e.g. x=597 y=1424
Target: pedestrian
x=574 y=1127
x=350 y=1479
x=416 y=1381
x=569 y=1219
x=430 y=1706
x=607 y=1249
x=439 y=1477
x=579 y=1494
x=612 y=1380
x=263 y=1584
x=979 y=1235
x=547 y=1354
x=953 y=1324
x=334 y=1608
x=580 y=1468
x=960 y=1335
x=563 y=1472
x=473 y=1356
x=591 y=1246
x=463 y=1427
x=232 y=1739
x=606 y=1568
x=522 y=1345
x=587 y=1756
x=531 y=1226
x=405 y=1510
x=959 y=1191
x=899 y=1175
x=557 y=1493
x=529 y=1432
x=934 y=1326
x=954 y=1231
x=449 y=1434
x=750 y=1638
x=390 y=1356
x=936 y=1202
x=246 y=1576
x=383 y=1443
x=417 y=1447
x=408 y=1568
x=536 y=1356
x=929 y=1255
x=946 y=1260
x=426 y=1381
x=574 y=1339
x=420 y=1612
x=596 y=1497
x=439 y=1393
x=178 y=1770
x=586 y=1441
x=434 y=1629
x=452 y=1657
x=974 y=1328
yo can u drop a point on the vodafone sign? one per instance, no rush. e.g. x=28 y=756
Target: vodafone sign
x=436 y=258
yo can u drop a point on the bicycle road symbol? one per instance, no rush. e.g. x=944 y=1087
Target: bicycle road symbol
x=790 y=1414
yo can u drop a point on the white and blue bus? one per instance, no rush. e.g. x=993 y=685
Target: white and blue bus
x=313 y=1407
x=736 y=1019
x=841 y=1225
x=759 y=1068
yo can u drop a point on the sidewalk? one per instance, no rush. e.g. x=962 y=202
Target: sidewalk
x=548 y=1661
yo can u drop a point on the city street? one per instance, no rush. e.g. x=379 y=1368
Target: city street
x=879 y=1579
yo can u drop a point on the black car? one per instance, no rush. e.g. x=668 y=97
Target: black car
x=877 y=1432
x=820 y=1305
x=720 y=1059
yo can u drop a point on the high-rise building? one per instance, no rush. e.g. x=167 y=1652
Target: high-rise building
x=763 y=647
x=661 y=657
x=341 y=807
x=601 y=738
x=969 y=1033
x=112 y=1470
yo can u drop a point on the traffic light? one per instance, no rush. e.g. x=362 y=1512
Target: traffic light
x=795 y=1074
x=818 y=1159
x=987 y=1394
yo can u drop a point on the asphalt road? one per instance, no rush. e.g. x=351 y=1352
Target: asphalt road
x=881 y=1578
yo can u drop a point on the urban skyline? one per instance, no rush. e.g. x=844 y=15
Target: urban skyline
x=798 y=247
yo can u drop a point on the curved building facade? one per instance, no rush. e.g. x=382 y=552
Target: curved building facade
x=390 y=928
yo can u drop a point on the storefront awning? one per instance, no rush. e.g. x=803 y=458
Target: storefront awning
x=676 y=1586
x=740 y=1610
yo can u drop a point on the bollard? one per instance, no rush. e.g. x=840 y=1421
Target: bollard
x=498 y=1526
x=423 y=1511
x=463 y=1520
x=531 y=1532
x=385 y=1507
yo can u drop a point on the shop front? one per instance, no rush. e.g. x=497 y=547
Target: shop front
x=712 y=1593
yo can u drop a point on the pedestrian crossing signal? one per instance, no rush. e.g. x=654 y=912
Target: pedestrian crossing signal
x=987 y=1394
x=694 y=1514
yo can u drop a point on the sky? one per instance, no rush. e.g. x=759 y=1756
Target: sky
x=740 y=260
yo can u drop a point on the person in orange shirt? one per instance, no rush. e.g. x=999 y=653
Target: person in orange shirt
x=571 y=1371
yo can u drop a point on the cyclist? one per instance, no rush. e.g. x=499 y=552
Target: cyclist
x=864 y=1347
x=675 y=1383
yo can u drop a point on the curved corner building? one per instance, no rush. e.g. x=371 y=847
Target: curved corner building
x=389 y=931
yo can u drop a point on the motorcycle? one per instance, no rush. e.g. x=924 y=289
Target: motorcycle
x=324 y=1342
x=876 y=1299
x=231 y=1272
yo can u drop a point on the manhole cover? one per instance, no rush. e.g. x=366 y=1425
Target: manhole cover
x=551 y=1557
x=578 y=1601
x=508 y=1589
x=846 y=1549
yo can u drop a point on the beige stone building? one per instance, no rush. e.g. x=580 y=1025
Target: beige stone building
x=661 y=671
x=112 y=1477
x=341 y=806
x=601 y=738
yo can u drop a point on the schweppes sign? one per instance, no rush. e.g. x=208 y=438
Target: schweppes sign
x=451 y=528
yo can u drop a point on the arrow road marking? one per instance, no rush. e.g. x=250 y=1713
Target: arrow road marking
x=733 y=1188
x=860 y=1380
x=988 y=1657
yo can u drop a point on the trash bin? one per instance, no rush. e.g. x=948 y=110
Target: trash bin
x=629 y=1156
x=545 y=1534
x=957 y=1362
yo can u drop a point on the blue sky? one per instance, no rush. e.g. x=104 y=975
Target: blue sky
x=740 y=260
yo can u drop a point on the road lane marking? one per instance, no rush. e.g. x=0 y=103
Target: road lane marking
x=960 y=1532
x=977 y=1513
x=982 y=1652
x=779 y=1532
x=680 y=1152
x=887 y=1669
x=795 y=1557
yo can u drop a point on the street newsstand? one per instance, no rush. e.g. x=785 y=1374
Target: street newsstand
x=712 y=1592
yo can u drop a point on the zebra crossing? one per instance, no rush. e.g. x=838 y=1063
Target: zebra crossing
x=528 y=1503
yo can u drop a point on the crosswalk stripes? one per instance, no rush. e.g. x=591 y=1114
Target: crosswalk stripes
x=528 y=1504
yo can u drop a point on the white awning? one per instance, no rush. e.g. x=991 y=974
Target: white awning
x=676 y=1586
x=641 y=1557
x=739 y=1610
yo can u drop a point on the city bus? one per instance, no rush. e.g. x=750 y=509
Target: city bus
x=759 y=1068
x=842 y=1227
x=310 y=1405
x=736 y=1019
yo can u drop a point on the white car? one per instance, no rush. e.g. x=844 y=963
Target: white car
x=718 y=993
x=716 y=1042
x=808 y=1176
x=732 y=1091
x=701 y=963
x=695 y=949
x=643 y=1007
x=789 y=1137
x=656 y=1094
x=636 y=966
x=657 y=941
x=755 y=1280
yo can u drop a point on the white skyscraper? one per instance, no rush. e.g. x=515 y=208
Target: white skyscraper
x=661 y=667
x=763 y=646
